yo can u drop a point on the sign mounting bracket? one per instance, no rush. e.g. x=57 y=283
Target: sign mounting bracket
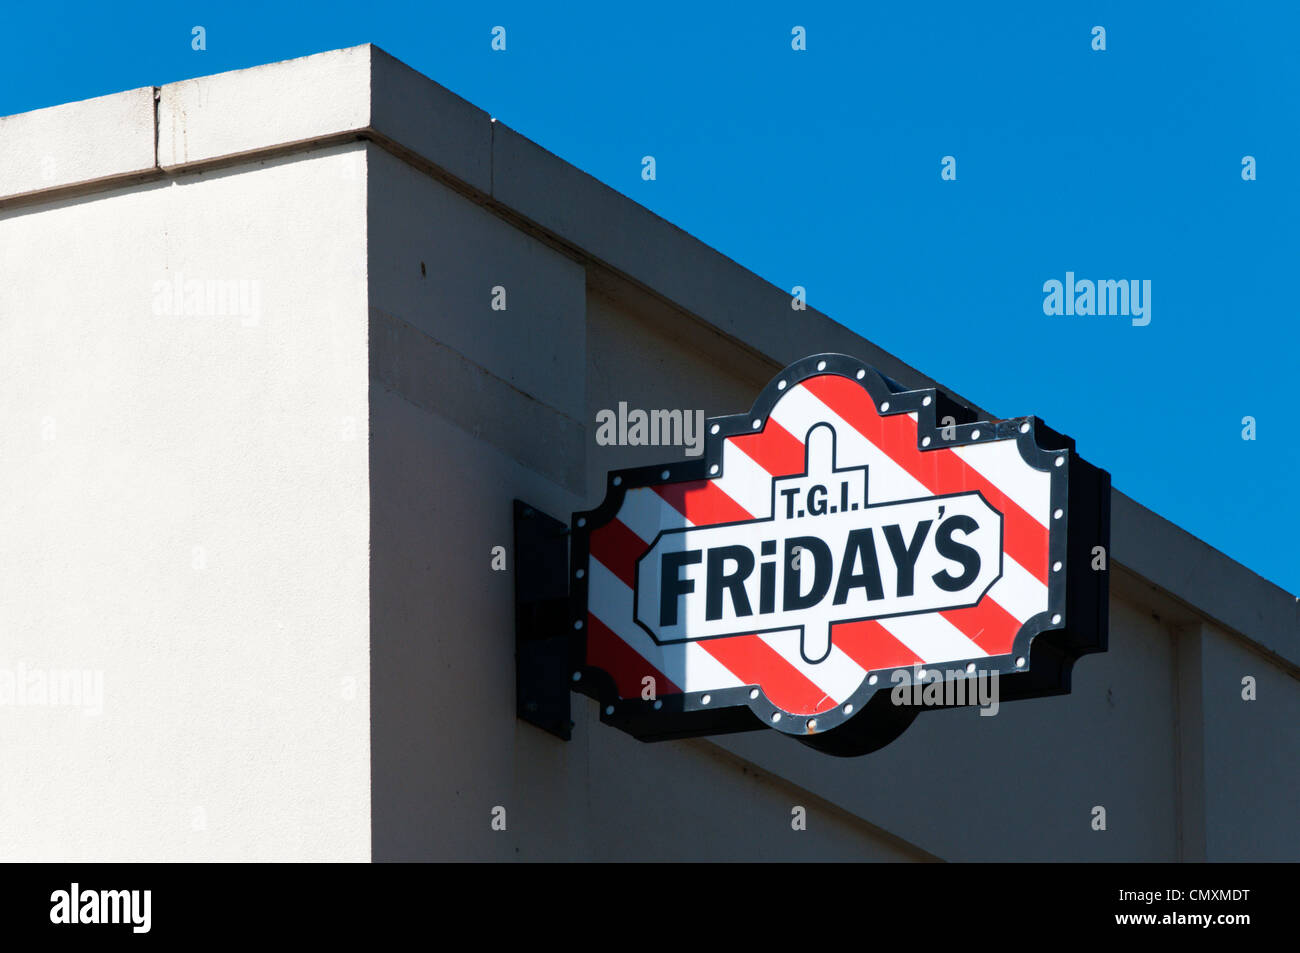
x=543 y=643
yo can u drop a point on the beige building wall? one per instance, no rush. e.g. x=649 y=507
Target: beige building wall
x=184 y=499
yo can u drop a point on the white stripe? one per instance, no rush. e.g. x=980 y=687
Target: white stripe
x=1018 y=591
x=747 y=483
x=1001 y=464
x=645 y=513
x=932 y=637
x=800 y=409
x=686 y=664
x=837 y=674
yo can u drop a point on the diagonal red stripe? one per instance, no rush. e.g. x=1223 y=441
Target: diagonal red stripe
x=988 y=625
x=940 y=470
x=618 y=548
x=605 y=650
x=755 y=662
x=774 y=448
x=701 y=502
x=872 y=646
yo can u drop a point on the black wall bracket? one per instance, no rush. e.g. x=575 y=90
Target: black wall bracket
x=543 y=633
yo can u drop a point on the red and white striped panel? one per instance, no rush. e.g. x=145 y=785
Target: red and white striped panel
x=897 y=471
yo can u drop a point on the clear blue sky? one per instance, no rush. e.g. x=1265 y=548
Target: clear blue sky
x=822 y=168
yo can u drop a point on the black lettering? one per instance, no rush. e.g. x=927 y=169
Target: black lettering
x=862 y=543
x=767 y=579
x=949 y=548
x=816 y=504
x=810 y=548
x=734 y=582
x=672 y=585
x=905 y=557
x=789 y=501
x=766 y=588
